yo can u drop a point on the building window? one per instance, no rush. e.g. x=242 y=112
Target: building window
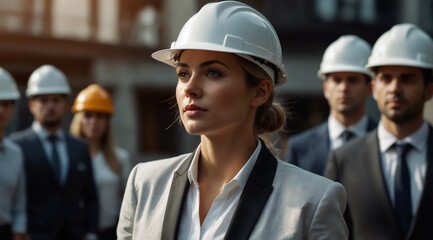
x=159 y=131
x=346 y=11
x=147 y=27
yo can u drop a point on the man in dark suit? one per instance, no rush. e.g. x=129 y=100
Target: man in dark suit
x=346 y=86
x=388 y=174
x=62 y=200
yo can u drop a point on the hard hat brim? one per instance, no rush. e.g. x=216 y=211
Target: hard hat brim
x=167 y=56
x=397 y=62
x=45 y=91
x=10 y=96
x=341 y=68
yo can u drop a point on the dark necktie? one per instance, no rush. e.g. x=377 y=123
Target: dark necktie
x=55 y=159
x=347 y=135
x=402 y=194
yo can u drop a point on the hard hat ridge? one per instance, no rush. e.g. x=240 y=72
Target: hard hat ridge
x=405 y=45
x=47 y=79
x=93 y=98
x=349 y=53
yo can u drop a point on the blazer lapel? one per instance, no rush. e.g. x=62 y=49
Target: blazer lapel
x=73 y=159
x=379 y=188
x=176 y=200
x=254 y=196
x=38 y=150
x=421 y=223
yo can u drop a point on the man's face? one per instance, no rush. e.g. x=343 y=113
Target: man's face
x=6 y=112
x=401 y=92
x=49 y=109
x=346 y=92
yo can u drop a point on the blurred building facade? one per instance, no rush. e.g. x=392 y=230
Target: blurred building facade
x=110 y=41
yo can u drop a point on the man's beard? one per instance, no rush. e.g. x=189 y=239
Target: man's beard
x=406 y=116
x=52 y=123
x=409 y=114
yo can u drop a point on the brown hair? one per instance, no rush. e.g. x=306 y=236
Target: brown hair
x=107 y=143
x=271 y=116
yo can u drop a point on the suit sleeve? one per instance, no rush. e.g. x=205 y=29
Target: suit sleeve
x=125 y=226
x=90 y=195
x=328 y=221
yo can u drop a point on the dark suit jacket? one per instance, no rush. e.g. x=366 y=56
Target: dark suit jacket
x=50 y=206
x=370 y=214
x=309 y=150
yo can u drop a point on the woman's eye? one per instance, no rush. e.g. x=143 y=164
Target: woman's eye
x=214 y=74
x=182 y=75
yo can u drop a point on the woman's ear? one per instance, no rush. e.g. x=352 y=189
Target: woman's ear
x=262 y=92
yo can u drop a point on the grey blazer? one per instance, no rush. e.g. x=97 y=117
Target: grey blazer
x=279 y=201
x=370 y=213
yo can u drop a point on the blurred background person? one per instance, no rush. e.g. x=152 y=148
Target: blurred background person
x=13 y=218
x=346 y=87
x=388 y=174
x=93 y=108
x=62 y=200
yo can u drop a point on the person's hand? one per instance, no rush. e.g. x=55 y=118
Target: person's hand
x=21 y=236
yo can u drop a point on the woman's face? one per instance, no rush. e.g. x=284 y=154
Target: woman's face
x=212 y=93
x=94 y=124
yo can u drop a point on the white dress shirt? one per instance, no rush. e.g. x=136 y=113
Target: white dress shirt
x=12 y=187
x=220 y=213
x=416 y=160
x=110 y=187
x=61 y=148
x=335 y=129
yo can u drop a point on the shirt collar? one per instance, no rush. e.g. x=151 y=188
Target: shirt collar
x=241 y=177
x=43 y=134
x=336 y=128
x=417 y=139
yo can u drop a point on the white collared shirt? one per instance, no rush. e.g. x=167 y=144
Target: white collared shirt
x=43 y=135
x=335 y=129
x=416 y=160
x=220 y=214
x=110 y=186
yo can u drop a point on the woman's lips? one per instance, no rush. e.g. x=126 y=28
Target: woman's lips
x=192 y=110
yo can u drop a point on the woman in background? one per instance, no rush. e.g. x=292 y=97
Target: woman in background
x=93 y=109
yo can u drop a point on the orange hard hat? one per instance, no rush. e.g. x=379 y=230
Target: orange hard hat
x=93 y=98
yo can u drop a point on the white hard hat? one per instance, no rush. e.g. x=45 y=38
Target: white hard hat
x=47 y=79
x=232 y=27
x=8 y=87
x=403 y=45
x=349 y=53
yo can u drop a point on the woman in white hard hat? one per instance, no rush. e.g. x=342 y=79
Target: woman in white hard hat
x=228 y=59
x=93 y=109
